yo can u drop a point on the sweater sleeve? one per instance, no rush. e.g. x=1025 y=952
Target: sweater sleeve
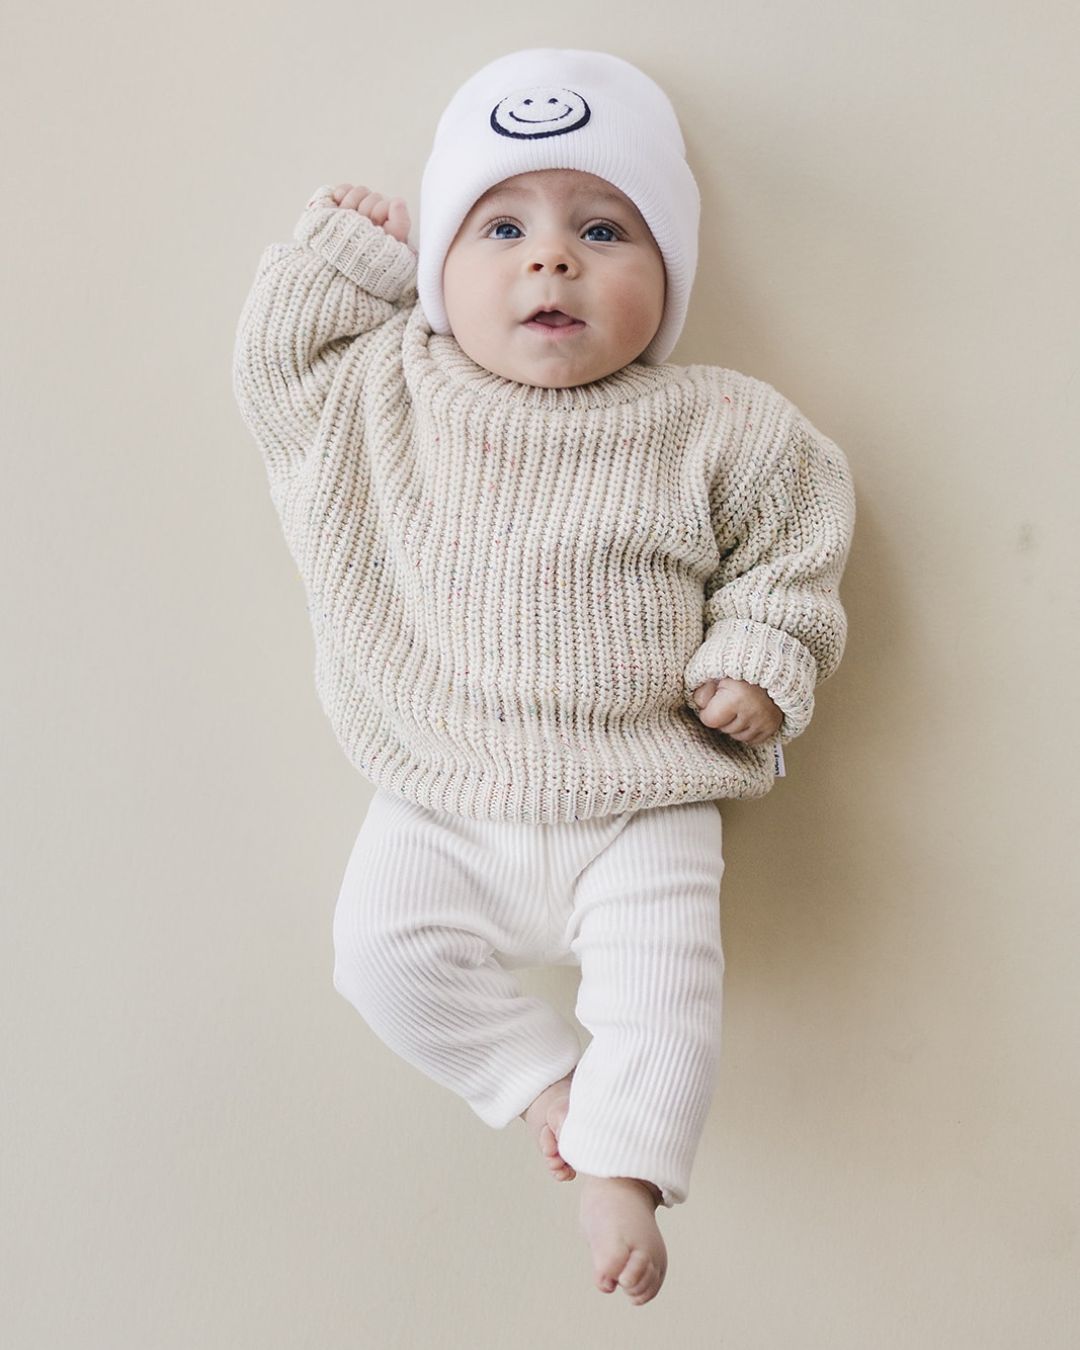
x=340 y=278
x=773 y=614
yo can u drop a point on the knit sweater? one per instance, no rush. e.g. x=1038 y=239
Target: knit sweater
x=514 y=591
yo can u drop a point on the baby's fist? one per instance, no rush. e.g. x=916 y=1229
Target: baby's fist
x=389 y=213
x=739 y=709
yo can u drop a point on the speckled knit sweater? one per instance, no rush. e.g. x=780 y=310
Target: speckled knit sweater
x=515 y=590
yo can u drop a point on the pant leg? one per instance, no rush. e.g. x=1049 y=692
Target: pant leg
x=645 y=928
x=426 y=902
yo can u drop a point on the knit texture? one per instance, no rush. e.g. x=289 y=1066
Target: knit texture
x=514 y=590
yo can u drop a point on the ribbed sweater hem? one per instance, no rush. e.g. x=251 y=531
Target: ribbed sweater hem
x=540 y=786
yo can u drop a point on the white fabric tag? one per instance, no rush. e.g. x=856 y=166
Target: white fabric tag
x=778 y=758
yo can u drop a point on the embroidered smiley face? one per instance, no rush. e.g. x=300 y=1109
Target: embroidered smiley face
x=546 y=110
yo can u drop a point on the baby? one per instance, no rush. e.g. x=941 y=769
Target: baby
x=564 y=597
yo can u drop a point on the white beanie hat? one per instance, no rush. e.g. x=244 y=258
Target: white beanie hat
x=549 y=109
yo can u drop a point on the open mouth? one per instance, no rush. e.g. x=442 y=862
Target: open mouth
x=555 y=322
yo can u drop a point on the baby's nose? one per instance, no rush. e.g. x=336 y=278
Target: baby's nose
x=552 y=257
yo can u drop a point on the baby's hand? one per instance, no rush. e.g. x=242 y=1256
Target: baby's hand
x=390 y=213
x=739 y=709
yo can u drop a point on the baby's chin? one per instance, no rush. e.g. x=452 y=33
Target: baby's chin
x=543 y=376
x=545 y=370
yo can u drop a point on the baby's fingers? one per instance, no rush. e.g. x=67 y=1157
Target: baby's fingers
x=377 y=209
x=396 y=221
x=758 y=730
x=360 y=199
x=389 y=213
x=720 y=712
x=342 y=191
x=704 y=692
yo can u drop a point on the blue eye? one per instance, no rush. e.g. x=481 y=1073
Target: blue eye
x=499 y=225
x=610 y=229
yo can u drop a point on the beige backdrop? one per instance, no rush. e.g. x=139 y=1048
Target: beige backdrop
x=204 y=1146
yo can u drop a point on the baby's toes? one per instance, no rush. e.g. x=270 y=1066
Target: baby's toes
x=549 y=1147
x=637 y=1273
x=640 y=1278
x=643 y=1276
x=608 y=1265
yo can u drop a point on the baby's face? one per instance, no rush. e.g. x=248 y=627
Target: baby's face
x=554 y=239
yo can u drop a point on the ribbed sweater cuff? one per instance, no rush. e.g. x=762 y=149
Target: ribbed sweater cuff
x=379 y=264
x=741 y=649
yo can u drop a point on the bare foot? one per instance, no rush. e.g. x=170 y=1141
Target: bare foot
x=544 y=1117
x=618 y=1215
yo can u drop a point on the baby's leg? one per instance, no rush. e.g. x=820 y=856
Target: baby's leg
x=421 y=911
x=648 y=939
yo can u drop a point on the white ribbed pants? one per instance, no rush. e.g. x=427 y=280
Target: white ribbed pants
x=436 y=909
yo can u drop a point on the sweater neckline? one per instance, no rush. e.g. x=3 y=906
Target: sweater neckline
x=446 y=360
